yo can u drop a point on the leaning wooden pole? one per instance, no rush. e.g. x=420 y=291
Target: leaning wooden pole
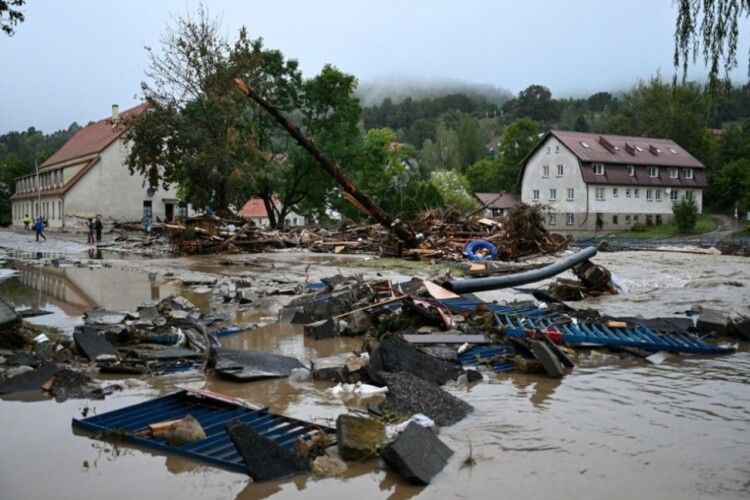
x=330 y=166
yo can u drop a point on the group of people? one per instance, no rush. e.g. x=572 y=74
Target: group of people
x=94 y=227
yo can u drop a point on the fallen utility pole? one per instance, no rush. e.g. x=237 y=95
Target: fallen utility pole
x=369 y=207
x=511 y=280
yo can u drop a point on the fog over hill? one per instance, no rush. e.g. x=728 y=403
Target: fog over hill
x=398 y=88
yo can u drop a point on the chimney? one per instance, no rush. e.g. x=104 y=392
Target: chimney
x=115 y=113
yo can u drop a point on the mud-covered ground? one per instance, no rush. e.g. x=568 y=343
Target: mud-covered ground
x=613 y=428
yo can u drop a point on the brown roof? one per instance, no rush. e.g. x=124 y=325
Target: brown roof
x=254 y=208
x=498 y=200
x=91 y=139
x=618 y=174
x=625 y=150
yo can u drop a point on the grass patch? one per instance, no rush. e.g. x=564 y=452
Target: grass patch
x=704 y=224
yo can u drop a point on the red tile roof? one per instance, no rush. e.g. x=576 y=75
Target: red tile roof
x=91 y=139
x=498 y=200
x=254 y=209
x=625 y=150
x=618 y=174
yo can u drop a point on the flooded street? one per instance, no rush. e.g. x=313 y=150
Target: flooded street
x=612 y=428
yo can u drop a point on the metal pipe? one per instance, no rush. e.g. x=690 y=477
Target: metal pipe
x=511 y=280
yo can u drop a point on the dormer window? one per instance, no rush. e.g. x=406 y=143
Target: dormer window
x=585 y=145
x=688 y=173
x=673 y=173
x=598 y=168
x=631 y=170
x=653 y=171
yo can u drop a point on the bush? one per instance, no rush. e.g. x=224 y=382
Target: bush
x=638 y=227
x=685 y=214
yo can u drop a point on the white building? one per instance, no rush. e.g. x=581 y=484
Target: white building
x=591 y=182
x=87 y=176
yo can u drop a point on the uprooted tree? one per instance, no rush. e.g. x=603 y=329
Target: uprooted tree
x=219 y=148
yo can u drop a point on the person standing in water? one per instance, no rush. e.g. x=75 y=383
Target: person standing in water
x=98 y=228
x=39 y=226
x=90 y=227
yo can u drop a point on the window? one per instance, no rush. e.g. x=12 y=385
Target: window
x=658 y=195
x=59 y=209
x=673 y=173
x=548 y=149
x=674 y=195
x=553 y=194
x=688 y=173
x=658 y=220
x=559 y=170
x=569 y=219
x=53 y=209
x=600 y=194
x=649 y=195
x=615 y=192
x=585 y=145
x=147 y=208
x=571 y=194
x=552 y=219
x=653 y=172
x=688 y=194
x=635 y=218
x=636 y=192
x=182 y=211
x=598 y=168
x=631 y=170
x=545 y=171
x=294 y=221
x=536 y=195
x=627 y=219
x=557 y=149
x=627 y=192
x=614 y=219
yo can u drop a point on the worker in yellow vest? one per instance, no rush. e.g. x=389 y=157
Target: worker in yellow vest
x=26 y=221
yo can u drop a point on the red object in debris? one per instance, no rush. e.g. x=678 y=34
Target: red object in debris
x=552 y=333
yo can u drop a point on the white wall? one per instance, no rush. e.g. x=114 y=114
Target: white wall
x=533 y=178
x=108 y=189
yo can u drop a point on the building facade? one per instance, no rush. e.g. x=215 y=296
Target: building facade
x=88 y=176
x=591 y=182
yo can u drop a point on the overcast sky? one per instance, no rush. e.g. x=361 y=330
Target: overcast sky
x=69 y=61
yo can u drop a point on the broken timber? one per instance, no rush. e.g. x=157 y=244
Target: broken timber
x=350 y=190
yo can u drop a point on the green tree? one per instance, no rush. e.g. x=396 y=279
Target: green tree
x=453 y=188
x=685 y=214
x=716 y=25
x=516 y=142
x=731 y=185
x=483 y=176
x=11 y=15
x=470 y=143
x=443 y=152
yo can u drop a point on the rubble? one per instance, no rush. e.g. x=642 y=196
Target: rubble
x=265 y=459
x=243 y=365
x=325 y=466
x=358 y=438
x=29 y=380
x=397 y=355
x=417 y=454
x=408 y=394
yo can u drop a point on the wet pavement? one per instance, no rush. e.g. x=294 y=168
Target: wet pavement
x=610 y=429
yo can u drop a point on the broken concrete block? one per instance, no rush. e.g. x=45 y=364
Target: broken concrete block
x=295 y=315
x=713 y=320
x=742 y=328
x=417 y=454
x=186 y=430
x=30 y=380
x=326 y=466
x=358 y=437
x=243 y=365
x=547 y=358
x=396 y=355
x=323 y=329
x=103 y=317
x=94 y=346
x=264 y=459
x=408 y=394
x=8 y=316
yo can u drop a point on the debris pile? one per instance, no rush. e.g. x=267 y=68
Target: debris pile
x=443 y=234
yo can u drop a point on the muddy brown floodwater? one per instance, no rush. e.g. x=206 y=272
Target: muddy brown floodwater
x=616 y=429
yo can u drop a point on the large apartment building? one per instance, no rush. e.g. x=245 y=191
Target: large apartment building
x=593 y=182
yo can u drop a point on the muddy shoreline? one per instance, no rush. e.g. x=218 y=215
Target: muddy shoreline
x=612 y=428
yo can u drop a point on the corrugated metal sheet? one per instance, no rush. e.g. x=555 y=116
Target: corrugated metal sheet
x=213 y=411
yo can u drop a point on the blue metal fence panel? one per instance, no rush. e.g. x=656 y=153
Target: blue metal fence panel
x=481 y=355
x=213 y=414
x=516 y=320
